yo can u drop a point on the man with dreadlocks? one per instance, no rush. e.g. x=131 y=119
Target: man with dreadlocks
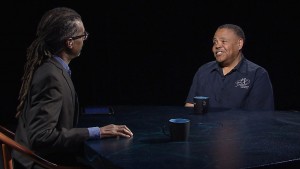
x=48 y=107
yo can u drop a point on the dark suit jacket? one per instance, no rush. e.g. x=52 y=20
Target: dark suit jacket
x=51 y=111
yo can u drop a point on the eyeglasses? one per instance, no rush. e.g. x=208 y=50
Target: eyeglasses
x=84 y=36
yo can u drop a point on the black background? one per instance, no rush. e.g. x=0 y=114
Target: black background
x=146 y=52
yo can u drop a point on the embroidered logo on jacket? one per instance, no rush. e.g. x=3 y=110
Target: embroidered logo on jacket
x=242 y=83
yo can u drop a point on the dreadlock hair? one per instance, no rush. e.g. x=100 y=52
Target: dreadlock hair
x=55 y=26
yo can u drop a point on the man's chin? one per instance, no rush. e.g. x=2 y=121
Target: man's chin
x=219 y=59
x=220 y=62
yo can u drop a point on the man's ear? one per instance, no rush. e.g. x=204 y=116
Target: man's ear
x=69 y=43
x=240 y=44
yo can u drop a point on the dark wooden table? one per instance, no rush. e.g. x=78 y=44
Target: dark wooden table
x=220 y=139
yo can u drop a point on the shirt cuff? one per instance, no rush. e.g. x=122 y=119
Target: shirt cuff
x=94 y=132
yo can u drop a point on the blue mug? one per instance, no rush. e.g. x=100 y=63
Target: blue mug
x=201 y=104
x=179 y=129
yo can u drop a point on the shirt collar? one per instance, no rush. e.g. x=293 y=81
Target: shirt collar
x=63 y=63
x=241 y=66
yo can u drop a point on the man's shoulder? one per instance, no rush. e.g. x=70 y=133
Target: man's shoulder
x=50 y=64
x=48 y=68
x=253 y=66
x=206 y=68
x=209 y=65
x=253 y=69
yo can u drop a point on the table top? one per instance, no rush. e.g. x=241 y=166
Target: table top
x=218 y=139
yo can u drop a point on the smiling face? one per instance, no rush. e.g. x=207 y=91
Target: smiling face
x=227 y=47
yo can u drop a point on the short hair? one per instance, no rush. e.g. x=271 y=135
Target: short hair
x=236 y=29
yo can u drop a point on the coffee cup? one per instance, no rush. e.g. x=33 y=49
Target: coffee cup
x=179 y=129
x=201 y=104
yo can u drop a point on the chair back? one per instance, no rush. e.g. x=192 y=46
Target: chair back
x=8 y=144
x=6 y=150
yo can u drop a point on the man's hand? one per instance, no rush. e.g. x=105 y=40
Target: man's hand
x=113 y=130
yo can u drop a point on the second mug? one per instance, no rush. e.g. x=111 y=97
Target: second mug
x=201 y=104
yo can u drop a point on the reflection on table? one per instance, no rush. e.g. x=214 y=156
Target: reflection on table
x=219 y=139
